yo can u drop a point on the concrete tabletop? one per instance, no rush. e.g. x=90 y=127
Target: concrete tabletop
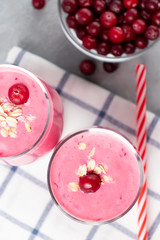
x=39 y=31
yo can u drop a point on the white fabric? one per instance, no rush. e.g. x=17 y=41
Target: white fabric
x=26 y=208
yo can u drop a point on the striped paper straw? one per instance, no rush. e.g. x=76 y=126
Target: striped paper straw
x=141 y=147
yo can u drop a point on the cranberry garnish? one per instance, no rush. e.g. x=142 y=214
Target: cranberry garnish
x=151 y=6
x=103 y=48
x=71 y=22
x=99 y=6
x=141 y=41
x=38 y=4
x=116 y=6
x=104 y=35
x=139 y=26
x=129 y=33
x=117 y=50
x=89 y=42
x=18 y=94
x=129 y=47
x=89 y=183
x=152 y=32
x=81 y=32
x=131 y=15
x=156 y=19
x=94 y=28
x=116 y=34
x=110 y=67
x=84 y=16
x=85 y=3
x=108 y=19
x=87 y=67
x=69 y=6
x=130 y=3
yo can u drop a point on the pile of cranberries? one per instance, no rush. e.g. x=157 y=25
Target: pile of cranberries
x=113 y=26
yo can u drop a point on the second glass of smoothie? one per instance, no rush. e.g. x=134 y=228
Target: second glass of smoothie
x=95 y=175
x=31 y=116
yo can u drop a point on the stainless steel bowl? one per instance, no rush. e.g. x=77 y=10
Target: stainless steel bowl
x=71 y=35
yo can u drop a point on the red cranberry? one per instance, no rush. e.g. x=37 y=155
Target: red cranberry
x=116 y=6
x=81 y=32
x=87 y=67
x=94 y=28
x=38 y=4
x=117 y=50
x=129 y=32
x=152 y=32
x=151 y=6
x=130 y=3
x=99 y=6
x=108 y=2
x=116 y=34
x=84 y=16
x=18 y=94
x=89 y=183
x=141 y=41
x=71 y=22
x=142 y=4
x=131 y=15
x=110 y=67
x=129 y=47
x=104 y=35
x=121 y=20
x=85 y=3
x=108 y=19
x=156 y=19
x=103 y=48
x=139 y=26
x=145 y=15
x=69 y=6
x=89 y=42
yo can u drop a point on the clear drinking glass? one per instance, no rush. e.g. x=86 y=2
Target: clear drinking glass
x=95 y=175
x=29 y=130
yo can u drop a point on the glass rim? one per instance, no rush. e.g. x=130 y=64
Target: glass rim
x=38 y=81
x=91 y=129
x=112 y=59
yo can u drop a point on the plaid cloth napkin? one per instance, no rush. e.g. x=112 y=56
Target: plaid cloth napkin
x=27 y=211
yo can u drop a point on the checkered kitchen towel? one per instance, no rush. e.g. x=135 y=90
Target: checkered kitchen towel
x=27 y=211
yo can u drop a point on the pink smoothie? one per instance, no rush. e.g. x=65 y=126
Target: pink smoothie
x=29 y=130
x=112 y=158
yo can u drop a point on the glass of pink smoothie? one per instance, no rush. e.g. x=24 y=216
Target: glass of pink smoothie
x=95 y=175
x=31 y=116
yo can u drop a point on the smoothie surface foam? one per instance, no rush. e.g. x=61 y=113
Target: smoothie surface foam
x=116 y=195
x=34 y=113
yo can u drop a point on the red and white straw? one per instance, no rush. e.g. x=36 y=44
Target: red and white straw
x=141 y=147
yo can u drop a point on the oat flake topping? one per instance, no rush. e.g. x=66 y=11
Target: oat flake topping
x=91 y=167
x=10 y=115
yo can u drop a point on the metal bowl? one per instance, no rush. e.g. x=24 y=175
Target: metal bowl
x=71 y=35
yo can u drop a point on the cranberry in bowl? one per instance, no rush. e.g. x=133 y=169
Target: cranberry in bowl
x=118 y=24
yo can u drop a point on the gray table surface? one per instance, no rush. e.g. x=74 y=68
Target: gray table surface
x=40 y=32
